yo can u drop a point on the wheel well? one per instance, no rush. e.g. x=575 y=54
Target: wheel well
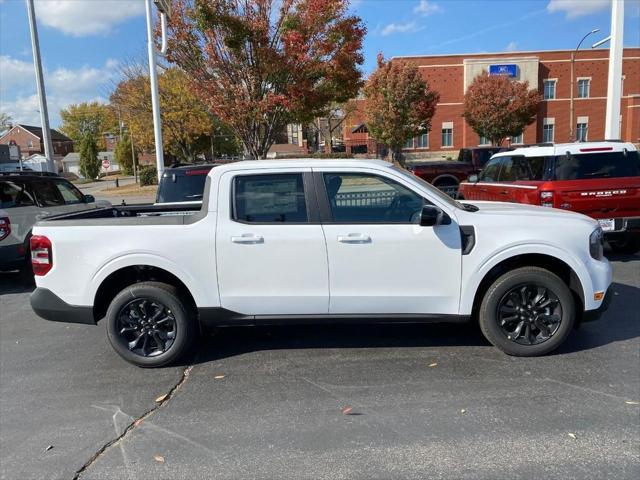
x=446 y=180
x=120 y=279
x=553 y=264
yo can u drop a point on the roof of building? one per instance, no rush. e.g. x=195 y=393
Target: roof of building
x=56 y=136
x=75 y=156
x=603 y=50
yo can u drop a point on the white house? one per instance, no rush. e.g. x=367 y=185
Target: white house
x=71 y=163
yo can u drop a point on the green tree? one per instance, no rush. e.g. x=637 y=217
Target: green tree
x=124 y=155
x=398 y=104
x=89 y=163
x=88 y=117
x=497 y=107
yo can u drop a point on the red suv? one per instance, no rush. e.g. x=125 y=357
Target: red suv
x=598 y=179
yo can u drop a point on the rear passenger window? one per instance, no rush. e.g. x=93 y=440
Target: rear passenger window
x=48 y=194
x=597 y=165
x=276 y=198
x=14 y=195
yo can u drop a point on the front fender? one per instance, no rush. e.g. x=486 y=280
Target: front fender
x=472 y=279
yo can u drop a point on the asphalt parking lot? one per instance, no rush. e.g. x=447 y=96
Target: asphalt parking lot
x=335 y=402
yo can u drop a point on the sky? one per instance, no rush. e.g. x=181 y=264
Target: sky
x=83 y=41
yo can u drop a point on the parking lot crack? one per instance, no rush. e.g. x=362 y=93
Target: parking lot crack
x=133 y=424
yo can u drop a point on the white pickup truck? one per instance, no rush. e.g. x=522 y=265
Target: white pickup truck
x=319 y=240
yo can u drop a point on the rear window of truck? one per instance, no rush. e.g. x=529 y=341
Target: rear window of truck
x=182 y=188
x=596 y=165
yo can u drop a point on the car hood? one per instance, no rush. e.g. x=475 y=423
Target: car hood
x=519 y=210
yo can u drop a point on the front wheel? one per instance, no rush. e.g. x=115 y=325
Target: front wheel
x=527 y=312
x=150 y=325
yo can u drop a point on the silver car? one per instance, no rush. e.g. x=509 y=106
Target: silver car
x=25 y=197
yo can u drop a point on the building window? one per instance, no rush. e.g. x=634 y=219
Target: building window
x=581 y=132
x=30 y=144
x=447 y=137
x=549 y=89
x=422 y=141
x=583 y=88
x=517 y=139
x=547 y=130
x=482 y=140
x=408 y=143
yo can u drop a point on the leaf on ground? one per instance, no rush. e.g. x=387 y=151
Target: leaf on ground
x=463 y=411
x=49 y=447
x=572 y=435
x=346 y=410
x=159 y=458
x=434 y=364
x=631 y=402
x=137 y=422
x=161 y=398
x=219 y=377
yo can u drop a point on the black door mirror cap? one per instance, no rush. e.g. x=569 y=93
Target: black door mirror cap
x=89 y=199
x=432 y=216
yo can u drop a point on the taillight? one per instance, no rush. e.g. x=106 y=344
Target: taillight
x=41 y=255
x=5 y=228
x=546 y=199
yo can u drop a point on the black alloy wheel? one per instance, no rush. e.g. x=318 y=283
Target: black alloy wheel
x=147 y=327
x=529 y=314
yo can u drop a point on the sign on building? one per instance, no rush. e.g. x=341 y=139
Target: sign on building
x=509 y=70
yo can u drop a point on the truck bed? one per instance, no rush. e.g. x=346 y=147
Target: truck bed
x=146 y=214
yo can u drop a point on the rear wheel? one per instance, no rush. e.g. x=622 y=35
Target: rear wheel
x=527 y=312
x=629 y=244
x=448 y=186
x=150 y=325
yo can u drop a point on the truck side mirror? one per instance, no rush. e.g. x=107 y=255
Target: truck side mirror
x=89 y=199
x=472 y=178
x=432 y=216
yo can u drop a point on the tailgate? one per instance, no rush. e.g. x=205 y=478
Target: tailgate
x=613 y=198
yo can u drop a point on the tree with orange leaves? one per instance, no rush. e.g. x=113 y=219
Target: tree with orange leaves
x=261 y=64
x=497 y=107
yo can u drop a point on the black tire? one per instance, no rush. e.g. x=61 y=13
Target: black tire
x=629 y=245
x=134 y=310
x=450 y=187
x=514 y=336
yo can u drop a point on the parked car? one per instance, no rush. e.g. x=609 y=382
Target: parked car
x=24 y=198
x=319 y=240
x=598 y=179
x=447 y=174
x=183 y=184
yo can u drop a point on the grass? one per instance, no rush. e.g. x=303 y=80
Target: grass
x=133 y=189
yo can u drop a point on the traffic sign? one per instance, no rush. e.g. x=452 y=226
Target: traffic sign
x=106 y=164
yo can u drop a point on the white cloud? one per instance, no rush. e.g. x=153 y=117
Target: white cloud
x=578 y=8
x=425 y=8
x=393 y=28
x=511 y=47
x=63 y=86
x=83 y=18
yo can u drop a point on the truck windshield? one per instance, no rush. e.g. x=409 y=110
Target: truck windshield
x=181 y=188
x=433 y=190
x=597 y=165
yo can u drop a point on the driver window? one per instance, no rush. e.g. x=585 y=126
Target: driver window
x=363 y=198
x=491 y=170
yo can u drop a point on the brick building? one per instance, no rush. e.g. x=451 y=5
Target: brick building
x=29 y=139
x=549 y=71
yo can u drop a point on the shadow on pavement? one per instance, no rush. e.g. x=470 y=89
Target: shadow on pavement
x=13 y=282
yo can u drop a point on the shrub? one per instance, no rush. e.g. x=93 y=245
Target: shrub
x=148 y=176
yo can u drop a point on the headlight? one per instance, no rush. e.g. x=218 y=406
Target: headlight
x=596 y=244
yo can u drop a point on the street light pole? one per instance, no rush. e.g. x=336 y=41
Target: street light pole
x=573 y=63
x=37 y=63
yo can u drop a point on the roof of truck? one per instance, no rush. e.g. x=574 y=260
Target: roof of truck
x=300 y=162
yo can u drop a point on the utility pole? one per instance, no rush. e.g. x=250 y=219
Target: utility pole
x=44 y=113
x=614 y=81
x=573 y=69
x=155 y=100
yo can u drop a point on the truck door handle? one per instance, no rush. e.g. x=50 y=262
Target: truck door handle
x=354 y=238
x=504 y=192
x=483 y=189
x=248 y=238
